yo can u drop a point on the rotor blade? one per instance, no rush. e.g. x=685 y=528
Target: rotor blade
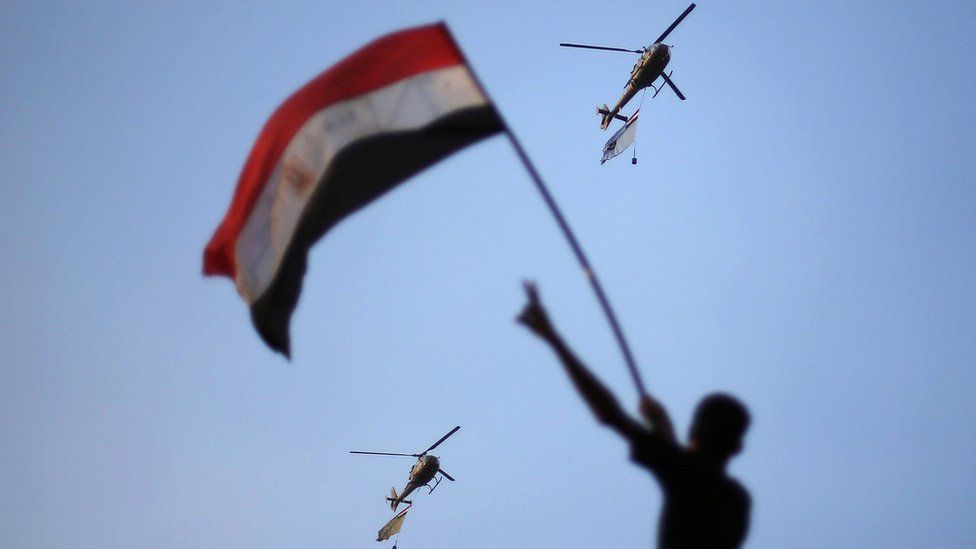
x=443 y=438
x=675 y=24
x=677 y=92
x=449 y=477
x=383 y=453
x=567 y=45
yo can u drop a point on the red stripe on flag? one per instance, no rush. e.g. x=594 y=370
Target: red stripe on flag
x=383 y=62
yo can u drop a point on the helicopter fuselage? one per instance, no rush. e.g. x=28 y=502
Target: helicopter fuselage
x=421 y=473
x=650 y=66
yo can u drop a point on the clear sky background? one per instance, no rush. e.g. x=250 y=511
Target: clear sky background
x=800 y=232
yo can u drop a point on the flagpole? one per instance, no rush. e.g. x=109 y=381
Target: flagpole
x=580 y=257
x=566 y=230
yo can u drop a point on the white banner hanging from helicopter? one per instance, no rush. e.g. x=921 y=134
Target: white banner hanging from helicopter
x=621 y=139
x=392 y=528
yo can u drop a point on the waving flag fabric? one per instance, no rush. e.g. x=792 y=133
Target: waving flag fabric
x=386 y=112
x=621 y=139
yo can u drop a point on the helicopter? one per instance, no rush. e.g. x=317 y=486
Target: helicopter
x=421 y=473
x=651 y=64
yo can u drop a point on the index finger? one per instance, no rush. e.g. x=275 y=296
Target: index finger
x=531 y=291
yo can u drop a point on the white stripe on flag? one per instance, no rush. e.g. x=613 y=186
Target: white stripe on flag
x=406 y=105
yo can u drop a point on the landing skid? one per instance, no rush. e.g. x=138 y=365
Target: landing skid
x=657 y=89
x=668 y=81
x=437 y=480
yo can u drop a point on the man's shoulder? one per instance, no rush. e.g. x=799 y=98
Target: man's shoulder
x=738 y=491
x=737 y=486
x=655 y=452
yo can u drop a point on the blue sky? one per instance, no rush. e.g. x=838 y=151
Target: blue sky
x=801 y=232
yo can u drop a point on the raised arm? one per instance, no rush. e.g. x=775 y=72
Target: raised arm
x=600 y=400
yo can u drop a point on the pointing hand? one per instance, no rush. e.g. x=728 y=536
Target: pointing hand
x=534 y=316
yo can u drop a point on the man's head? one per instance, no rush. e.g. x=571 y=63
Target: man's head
x=718 y=427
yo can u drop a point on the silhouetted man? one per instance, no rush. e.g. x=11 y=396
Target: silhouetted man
x=703 y=506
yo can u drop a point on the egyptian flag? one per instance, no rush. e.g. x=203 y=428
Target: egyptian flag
x=621 y=139
x=386 y=112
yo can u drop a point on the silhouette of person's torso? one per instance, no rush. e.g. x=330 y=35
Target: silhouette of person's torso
x=703 y=507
